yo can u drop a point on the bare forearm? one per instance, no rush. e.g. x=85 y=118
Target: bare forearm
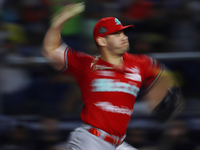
x=52 y=48
x=160 y=89
x=52 y=40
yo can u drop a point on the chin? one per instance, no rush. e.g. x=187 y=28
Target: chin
x=124 y=51
x=127 y=49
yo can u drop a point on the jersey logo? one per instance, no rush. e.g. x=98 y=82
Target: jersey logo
x=135 y=76
x=134 y=70
x=110 y=85
x=117 y=21
x=109 y=107
x=106 y=73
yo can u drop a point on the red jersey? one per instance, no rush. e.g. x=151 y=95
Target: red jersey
x=108 y=92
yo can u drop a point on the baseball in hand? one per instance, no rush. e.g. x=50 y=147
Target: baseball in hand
x=61 y=16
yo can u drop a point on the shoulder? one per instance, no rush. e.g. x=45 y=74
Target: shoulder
x=79 y=54
x=137 y=57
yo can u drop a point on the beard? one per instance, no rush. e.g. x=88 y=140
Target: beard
x=119 y=50
x=124 y=49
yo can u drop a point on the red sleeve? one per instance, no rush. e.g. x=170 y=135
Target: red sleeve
x=152 y=71
x=75 y=61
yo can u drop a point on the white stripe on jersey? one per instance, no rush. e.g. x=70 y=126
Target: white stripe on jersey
x=64 y=47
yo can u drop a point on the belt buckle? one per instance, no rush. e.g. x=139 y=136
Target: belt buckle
x=108 y=138
x=94 y=131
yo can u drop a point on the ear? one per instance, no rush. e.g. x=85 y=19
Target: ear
x=101 y=41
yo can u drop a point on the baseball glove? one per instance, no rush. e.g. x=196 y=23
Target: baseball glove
x=170 y=106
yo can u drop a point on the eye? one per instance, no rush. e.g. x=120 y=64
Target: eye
x=118 y=33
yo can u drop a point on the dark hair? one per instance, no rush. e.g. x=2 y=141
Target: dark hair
x=98 y=44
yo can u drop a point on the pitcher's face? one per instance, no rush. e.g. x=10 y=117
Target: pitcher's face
x=117 y=43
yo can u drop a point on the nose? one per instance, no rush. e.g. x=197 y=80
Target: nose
x=125 y=37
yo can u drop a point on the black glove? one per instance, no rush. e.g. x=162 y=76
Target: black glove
x=170 y=106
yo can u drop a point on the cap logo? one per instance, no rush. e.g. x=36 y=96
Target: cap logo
x=117 y=21
x=102 y=30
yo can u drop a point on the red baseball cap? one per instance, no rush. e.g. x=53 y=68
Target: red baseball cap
x=107 y=26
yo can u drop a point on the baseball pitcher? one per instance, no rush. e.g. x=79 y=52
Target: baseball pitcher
x=110 y=82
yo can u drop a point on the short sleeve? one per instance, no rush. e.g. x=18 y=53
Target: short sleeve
x=75 y=61
x=152 y=71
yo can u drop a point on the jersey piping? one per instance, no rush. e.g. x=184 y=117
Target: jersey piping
x=66 y=62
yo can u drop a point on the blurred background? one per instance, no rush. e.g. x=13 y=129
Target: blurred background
x=39 y=106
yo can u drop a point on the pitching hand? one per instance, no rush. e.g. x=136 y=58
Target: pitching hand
x=61 y=16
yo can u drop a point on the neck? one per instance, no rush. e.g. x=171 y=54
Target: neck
x=115 y=60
